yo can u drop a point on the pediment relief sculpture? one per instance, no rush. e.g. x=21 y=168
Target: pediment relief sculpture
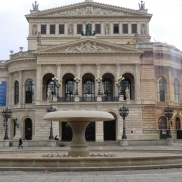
x=88 y=47
x=90 y=10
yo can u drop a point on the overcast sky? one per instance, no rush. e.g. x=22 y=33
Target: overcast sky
x=165 y=25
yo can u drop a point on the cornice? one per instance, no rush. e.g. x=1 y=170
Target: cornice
x=19 y=60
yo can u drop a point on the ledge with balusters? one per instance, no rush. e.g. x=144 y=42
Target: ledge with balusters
x=100 y=98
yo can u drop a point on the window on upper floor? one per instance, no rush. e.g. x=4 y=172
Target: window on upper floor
x=176 y=91
x=61 y=29
x=134 y=28
x=43 y=29
x=116 y=28
x=16 y=92
x=161 y=89
x=79 y=28
x=125 y=28
x=52 y=29
x=97 y=28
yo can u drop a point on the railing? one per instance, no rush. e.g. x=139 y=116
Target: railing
x=88 y=99
x=109 y=98
x=21 y=55
x=66 y=99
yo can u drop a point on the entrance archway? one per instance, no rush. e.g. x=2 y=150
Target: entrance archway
x=67 y=132
x=178 y=128
x=162 y=122
x=28 y=129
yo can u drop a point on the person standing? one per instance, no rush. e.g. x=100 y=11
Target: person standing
x=20 y=143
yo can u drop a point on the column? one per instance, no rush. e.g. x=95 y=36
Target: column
x=75 y=29
x=57 y=29
x=9 y=88
x=48 y=29
x=38 y=84
x=59 y=78
x=137 y=83
x=66 y=28
x=84 y=28
x=102 y=29
x=99 y=131
x=93 y=27
x=30 y=29
x=80 y=83
x=129 y=29
x=96 y=84
x=139 y=28
x=147 y=28
x=120 y=29
x=117 y=76
x=20 y=88
x=12 y=90
x=111 y=28
x=39 y=27
x=170 y=85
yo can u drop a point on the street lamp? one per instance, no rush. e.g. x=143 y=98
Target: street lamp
x=77 y=80
x=51 y=109
x=98 y=80
x=123 y=111
x=169 y=114
x=6 y=115
x=57 y=84
x=118 y=84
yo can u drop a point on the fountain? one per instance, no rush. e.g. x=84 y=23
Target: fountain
x=78 y=120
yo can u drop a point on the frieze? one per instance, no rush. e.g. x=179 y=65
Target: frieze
x=89 y=10
x=87 y=47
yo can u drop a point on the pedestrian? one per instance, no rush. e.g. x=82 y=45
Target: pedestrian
x=20 y=143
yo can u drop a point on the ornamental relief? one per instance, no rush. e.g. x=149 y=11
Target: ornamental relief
x=88 y=47
x=90 y=10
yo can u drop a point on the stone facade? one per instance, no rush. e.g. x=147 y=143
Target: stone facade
x=109 y=54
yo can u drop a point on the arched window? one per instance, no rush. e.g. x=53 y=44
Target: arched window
x=178 y=123
x=176 y=91
x=162 y=122
x=16 y=92
x=88 y=90
x=29 y=88
x=161 y=89
x=69 y=89
x=124 y=84
x=107 y=87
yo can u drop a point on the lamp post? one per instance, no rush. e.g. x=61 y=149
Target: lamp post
x=51 y=109
x=169 y=114
x=99 y=80
x=6 y=115
x=123 y=111
x=77 y=80
x=57 y=84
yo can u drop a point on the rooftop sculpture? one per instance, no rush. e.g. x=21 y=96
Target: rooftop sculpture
x=35 y=6
x=141 y=6
x=88 y=31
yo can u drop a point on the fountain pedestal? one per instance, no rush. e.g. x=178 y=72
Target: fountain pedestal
x=78 y=121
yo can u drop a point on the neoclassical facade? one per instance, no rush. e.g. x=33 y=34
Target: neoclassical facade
x=121 y=46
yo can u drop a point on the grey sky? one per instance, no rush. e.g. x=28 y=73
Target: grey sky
x=165 y=24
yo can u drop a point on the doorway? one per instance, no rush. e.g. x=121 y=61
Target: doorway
x=28 y=129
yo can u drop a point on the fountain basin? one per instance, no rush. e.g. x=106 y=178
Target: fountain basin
x=78 y=120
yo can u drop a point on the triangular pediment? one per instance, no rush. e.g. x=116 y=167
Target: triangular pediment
x=88 y=9
x=89 y=46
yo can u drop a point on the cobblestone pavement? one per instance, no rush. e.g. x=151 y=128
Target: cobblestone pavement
x=155 y=175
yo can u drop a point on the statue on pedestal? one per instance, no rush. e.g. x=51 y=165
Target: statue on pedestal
x=127 y=93
x=49 y=94
x=88 y=31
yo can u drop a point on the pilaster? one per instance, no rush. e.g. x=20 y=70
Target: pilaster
x=58 y=66
x=111 y=28
x=66 y=28
x=120 y=28
x=129 y=28
x=137 y=83
x=139 y=28
x=96 y=84
x=170 y=85
x=78 y=66
x=20 y=88
x=102 y=29
x=57 y=29
x=75 y=29
x=48 y=29
x=39 y=28
x=38 y=84
x=9 y=88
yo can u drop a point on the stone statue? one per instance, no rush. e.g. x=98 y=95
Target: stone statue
x=137 y=37
x=88 y=31
x=141 y=6
x=132 y=41
x=107 y=29
x=143 y=29
x=49 y=94
x=35 y=6
x=70 y=30
x=127 y=93
x=39 y=38
x=34 y=30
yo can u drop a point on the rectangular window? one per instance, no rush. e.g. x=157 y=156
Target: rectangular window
x=97 y=28
x=61 y=29
x=125 y=28
x=134 y=28
x=52 y=29
x=116 y=28
x=79 y=28
x=43 y=29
